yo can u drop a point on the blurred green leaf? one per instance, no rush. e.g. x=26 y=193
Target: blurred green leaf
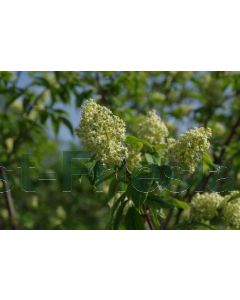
x=133 y=220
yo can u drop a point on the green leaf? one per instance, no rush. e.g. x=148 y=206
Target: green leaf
x=114 y=208
x=202 y=226
x=137 y=197
x=132 y=140
x=55 y=124
x=113 y=187
x=26 y=102
x=118 y=217
x=177 y=203
x=59 y=111
x=161 y=174
x=142 y=180
x=118 y=201
x=133 y=220
x=156 y=202
x=161 y=147
x=44 y=115
x=149 y=158
x=207 y=159
x=166 y=202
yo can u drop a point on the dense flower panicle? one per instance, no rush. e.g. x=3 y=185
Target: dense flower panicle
x=189 y=147
x=134 y=157
x=171 y=141
x=102 y=133
x=231 y=210
x=205 y=206
x=152 y=128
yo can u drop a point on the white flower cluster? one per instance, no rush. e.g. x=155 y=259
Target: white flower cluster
x=231 y=210
x=205 y=206
x=189 y=147
x=152 y=128
x=102 y=133
x=134 y=157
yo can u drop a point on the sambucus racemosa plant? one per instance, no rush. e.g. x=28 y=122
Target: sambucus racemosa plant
x=34 y=103
x=147 y=166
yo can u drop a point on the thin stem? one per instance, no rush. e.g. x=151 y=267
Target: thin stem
x=8 y=198
x=165 y=224
x=148 y=217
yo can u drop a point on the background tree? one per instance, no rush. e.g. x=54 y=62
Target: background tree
x=34 y=110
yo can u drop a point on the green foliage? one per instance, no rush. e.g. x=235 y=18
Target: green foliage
x=33 y=112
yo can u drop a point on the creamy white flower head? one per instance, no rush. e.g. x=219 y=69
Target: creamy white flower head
x=231 y=210
x=205 y=206
x=189 y=147
x=152 y=128
x=134 y=157
x=103 y=133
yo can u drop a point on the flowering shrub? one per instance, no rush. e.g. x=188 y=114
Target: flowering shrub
x=163 y=150
x=147 y=200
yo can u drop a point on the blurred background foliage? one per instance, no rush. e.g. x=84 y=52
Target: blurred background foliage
x=39 y=112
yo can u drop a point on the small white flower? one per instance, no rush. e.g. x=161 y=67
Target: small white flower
x=231 y=210
x=103 y=133
x=152 y=128
x=134 y=157
x=205 y=206
x=189 y=147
